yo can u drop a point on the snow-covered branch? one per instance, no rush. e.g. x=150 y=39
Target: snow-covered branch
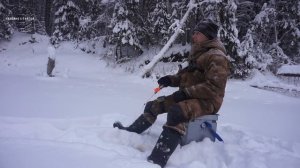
x=178 y=29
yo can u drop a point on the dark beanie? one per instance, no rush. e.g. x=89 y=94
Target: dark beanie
x=208 y=28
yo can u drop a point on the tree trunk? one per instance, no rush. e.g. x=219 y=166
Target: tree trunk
x=48 y=19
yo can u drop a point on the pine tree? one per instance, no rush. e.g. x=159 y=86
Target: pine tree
x=25 y=18
x=229 y=36
x=255 y=41
x=288 y=26
x=94 y=19
x=124 y=32
x=138 y=18
x=246 y=12
x=253 y=51
x=6 y=29
x=160 y=21
x=38 y=7
x=270 y=23
x=264 y=53
x=66 y=22
x=48 y=17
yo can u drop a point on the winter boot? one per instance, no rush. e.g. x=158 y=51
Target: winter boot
x=138 y=126
x=165 y=146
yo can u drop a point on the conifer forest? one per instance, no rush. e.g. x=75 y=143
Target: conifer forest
x=258 y=34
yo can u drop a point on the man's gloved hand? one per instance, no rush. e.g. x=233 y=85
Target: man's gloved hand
x=164 y=81
x=179 y=96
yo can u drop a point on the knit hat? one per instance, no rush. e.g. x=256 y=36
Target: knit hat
x=208 y=28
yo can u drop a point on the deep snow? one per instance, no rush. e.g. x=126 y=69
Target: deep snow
x=66 y=121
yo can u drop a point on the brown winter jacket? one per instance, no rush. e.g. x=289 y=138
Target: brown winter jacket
x=203 y=81
x=205 y=77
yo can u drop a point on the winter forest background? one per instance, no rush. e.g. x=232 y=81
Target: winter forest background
x=258 y=34
x=100 y=47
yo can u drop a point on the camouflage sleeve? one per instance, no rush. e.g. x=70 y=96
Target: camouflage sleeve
x=215 y=79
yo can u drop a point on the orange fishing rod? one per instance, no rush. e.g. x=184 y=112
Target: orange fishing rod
x=156 y=90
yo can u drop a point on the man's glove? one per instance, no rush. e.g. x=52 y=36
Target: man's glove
x=179 y=96
x=164 y=81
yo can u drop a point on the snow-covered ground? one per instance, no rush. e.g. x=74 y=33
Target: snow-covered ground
x=66 y=121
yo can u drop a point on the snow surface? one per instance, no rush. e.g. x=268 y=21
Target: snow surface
x=66 y=121
x=262 y=80
x=289 y=69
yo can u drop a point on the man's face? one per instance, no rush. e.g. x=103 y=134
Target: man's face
x=198 y=37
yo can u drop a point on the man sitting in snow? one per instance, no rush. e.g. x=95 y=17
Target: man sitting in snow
x=201 y=90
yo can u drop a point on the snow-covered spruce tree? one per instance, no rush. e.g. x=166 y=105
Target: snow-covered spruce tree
x=39 y=7
x=209 y=10
x=66 y=21
x=94 y=20
x=229 y=36
x=25 y=18
x=48 y=17
x=139 y=14
x=6 y=29
x=253 y=52
x=268 y=23
x=260 y=46
x=124 y=32
x=246 y=12
x=288 y=27
x=36 y=21
x=160 y=21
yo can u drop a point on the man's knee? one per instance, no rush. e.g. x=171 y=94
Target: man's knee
x=149 y=114
x=155 y=107
x=175 y=115
x=148 y=107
